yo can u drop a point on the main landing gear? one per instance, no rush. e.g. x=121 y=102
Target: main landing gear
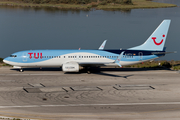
x=21 y=70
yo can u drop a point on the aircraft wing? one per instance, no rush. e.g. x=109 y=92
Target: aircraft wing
x=92 y=63
x=117 y=61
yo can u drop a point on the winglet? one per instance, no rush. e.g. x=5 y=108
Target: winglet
x=117 y=61
x=102 y=45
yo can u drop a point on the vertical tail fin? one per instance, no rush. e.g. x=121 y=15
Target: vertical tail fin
x=157 y=39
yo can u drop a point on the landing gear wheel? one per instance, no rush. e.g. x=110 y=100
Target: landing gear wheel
x=88 y=70
x=21 y=70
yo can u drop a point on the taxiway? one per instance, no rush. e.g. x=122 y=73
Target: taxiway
x=116 y=94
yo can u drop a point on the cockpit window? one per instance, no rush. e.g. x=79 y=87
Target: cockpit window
x=13 y=55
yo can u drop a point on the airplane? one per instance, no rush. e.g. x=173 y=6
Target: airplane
x=74 y=60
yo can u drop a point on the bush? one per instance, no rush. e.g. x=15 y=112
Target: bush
x=118 y=1
x=45 y=1
x=37 y=1
x=129 y=2
x=110 y=1
x=103 y=3
x=166 y=64
x=51 y=1
x=1 y=60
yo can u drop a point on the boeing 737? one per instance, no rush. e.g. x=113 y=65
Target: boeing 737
x=73 y=60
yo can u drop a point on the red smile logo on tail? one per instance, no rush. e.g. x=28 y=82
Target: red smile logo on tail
x=154 y=39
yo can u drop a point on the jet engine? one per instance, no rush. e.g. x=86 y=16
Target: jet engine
x=70 y=67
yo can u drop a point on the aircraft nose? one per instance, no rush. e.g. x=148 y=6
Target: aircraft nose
x=5 y=61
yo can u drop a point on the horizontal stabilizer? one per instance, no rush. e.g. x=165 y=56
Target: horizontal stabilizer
x=160 y=53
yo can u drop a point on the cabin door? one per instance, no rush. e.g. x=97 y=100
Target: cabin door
x=140 y=56
x=24 y=57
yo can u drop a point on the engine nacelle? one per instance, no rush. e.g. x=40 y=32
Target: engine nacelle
x=70 y=67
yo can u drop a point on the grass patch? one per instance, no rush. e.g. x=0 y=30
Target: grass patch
x=99 y=5
x=136 y=5
x=60 y=6
x=154 y=64
x=2 y=63
x=173 y=65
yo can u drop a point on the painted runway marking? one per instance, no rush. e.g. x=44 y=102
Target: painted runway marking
x=122 y=72
x=30 y=74
x=79 y=105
